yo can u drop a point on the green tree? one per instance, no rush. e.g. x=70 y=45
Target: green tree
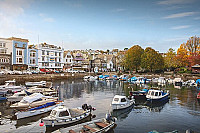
x=152 y=60
x=133 y=57
x=170 y=59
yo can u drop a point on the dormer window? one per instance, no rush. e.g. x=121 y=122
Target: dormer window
x=16 y=45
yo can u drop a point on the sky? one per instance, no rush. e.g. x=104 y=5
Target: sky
x=101 y=24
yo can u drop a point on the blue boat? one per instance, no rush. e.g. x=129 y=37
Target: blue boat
x=198 y=82
x=157 y=95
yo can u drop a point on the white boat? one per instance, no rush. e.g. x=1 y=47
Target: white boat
x=62 y=115
x=177 y=82
x=157 y=95
x=10 y=85
x=37 y=110
x=33 y=100
x=41 y=83
x=45 y=90
x=191 y=83
x=16 y=97
x=140 y=80
x=121 y=102
x=89 y=78
x=155 y=80
x=103 y=125
x=161 y=80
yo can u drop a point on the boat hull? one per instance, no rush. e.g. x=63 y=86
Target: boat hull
x=122 y=106
x=158 y=99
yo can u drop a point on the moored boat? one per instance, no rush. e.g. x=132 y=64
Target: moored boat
x=122 y=102
x=157 y=95
x=62 y=115
x=10 y=86
x=33 y=100
x=139 y=94
x=16 y=97
x=41 y=83
x=103 y=125
x=38 y=110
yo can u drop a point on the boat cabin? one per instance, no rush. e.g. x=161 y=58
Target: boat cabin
x=155 y=93
x=119 y=99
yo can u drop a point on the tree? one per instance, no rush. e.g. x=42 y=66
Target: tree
x=152 y=60
x=170 y=59
x=193 y=45
x=133 y=57
x=182 y=56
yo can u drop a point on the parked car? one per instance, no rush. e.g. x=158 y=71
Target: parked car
x=81 y=71
x=17 y=72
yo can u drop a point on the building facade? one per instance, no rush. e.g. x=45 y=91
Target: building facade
x=32 y=57
x=50 y=56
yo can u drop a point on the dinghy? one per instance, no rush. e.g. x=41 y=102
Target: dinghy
x=103 y=125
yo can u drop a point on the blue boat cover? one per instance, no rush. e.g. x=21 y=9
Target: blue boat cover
x=115 y=76
x=100 y=76
x=198 y=81
x=106 y=76
x=43 y=106
x=146 y=90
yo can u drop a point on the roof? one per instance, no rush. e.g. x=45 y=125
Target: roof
x=119 y=96
x=196 y=66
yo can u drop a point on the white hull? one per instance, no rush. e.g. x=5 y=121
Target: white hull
x=42 y=83
x=53 y=122
x=122 y=106
x=14 y=99
x=25 y=114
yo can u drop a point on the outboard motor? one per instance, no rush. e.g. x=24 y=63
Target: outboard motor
x=85 y=107
x=108 y=117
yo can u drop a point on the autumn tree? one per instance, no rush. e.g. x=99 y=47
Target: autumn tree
x=170 y=59
x=133 y=57
x=182 y=56
x=152 y=60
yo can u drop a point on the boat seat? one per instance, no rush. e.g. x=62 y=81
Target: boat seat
x=72 y=131
x=101 y=124
x=90 y=128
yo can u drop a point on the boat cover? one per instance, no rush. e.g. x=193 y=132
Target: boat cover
x=198 y=81
x=100 y=76
x=34 y=97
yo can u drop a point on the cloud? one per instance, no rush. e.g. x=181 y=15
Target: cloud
x=10 y=11
x=119 y=10
x=179 y=15
x=174 y=2
x=45 y=18
x=180 y=27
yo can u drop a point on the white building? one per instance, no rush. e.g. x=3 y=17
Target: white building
x=50 y=56
x=68 y=59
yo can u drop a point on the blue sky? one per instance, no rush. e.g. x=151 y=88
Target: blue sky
x=101 y=24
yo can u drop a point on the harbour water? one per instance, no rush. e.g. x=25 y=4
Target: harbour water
x=181 y=112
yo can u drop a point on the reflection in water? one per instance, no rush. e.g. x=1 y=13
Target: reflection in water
x=122 y=114
x=156 y=107
x=183 y=105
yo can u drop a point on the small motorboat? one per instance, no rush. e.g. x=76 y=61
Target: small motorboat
x=16 y=97
x=154 y=131
x=45 y=90
x=157 y=95
x=161 y=80
x=103 y=125
x=122 y=102
x=177 y=82
x=34 y=100
x=37 y=110
x=62 y=115
x=30 y=84
x=10 y=86
x=139 y=94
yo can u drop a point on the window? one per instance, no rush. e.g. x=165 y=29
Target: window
x=68 y=56
x=59 y=60
x=32 y=61
x=19 y=60
x=43 y=52
x=55 y=53
x=59 y=54
x=156 y=94
x=42 y=64
x=66 y=60
x=32 y=54
x=2 y=51
x=64 y=113
x=16 y=45
x=2 y=44
x=116 y=99
x=123 y=100
x=55 y=59
x=42 y=58
x=159 y=93
x=19 y=52
x=152 y=93
x=47 y=52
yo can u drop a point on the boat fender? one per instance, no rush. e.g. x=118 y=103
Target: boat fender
x=41 y=123
x=52 y=124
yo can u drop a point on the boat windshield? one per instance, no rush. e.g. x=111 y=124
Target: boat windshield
x=123 y=100
x=156 y=94
x=64 y=113
x=53 y=113
x=116 y=99
x=152 y=93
